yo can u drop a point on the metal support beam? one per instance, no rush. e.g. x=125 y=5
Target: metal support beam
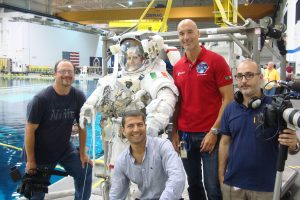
x=256 y=45
x=250 y=33
x=232 y=62
x=209 y=31
x=207 y=39
x=283 y=68
x=104 y=55
x=237 y=41
x=276 y=54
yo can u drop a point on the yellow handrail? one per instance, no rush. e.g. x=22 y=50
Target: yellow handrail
x=166 y=16
x=145 y=12
x=232 y=8
x=239 y=14
x=221 y=9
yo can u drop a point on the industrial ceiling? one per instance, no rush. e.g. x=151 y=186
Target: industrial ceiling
x=100 y=12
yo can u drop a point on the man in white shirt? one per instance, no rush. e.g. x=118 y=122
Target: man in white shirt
x=149 y=162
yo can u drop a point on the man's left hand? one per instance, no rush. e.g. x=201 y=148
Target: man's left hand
x=288 y=138
x=208 y=143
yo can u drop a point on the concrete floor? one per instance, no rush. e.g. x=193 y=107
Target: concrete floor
x=294 y=162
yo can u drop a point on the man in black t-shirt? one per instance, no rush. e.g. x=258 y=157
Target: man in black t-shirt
x=50 y=117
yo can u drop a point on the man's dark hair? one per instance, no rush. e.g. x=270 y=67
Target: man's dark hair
x=132 y=113
x=62 y=60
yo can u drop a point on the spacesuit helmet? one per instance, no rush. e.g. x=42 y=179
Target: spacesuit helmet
x=131 y=55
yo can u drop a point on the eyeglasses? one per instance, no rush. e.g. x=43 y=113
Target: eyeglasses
x=247 y=75
x=64 y=72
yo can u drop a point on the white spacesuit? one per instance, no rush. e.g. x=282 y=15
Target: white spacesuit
x=142 y=84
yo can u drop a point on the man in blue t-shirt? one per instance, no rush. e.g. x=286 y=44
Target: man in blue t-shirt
x=247 y=155
x=50 y=117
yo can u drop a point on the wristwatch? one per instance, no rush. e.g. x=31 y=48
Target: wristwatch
x=214 y=130
x=296 y=150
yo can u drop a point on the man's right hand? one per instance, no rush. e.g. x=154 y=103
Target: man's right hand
x=30 y=167
x=175 y=141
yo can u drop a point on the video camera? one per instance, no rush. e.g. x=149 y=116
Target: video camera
x=34 y=182
x=281 y=112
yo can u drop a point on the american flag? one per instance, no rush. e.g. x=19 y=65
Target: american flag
x=72 y=56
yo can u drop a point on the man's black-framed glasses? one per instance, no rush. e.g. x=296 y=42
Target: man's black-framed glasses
x=247 y=75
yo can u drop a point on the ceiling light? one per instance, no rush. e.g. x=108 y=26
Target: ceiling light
x=69 y=6
x=122 y=5
x=129 y=3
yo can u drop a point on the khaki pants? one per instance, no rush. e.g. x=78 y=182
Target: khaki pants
x=234 y=193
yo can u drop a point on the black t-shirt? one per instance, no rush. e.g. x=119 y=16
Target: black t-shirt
x=55 y=115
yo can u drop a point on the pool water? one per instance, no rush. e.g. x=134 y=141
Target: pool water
x=14 y=97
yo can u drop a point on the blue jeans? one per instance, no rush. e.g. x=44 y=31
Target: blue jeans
x=193 y=168
x=82 y=176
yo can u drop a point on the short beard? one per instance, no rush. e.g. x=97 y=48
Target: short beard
x=249 y=92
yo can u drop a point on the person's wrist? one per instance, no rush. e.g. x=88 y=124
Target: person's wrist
x=294 y=150
x=214 y=131
x=297 y=147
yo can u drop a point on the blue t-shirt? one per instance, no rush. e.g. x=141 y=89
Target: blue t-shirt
x=252 y=152
x=55 y=115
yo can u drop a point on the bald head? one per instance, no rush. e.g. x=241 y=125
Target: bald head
x=188 y=36
x=188 y=22
x=251 y=63
x=249 y=79
x=270 y=65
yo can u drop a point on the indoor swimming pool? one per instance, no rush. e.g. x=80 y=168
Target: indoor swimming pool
x=14 y=97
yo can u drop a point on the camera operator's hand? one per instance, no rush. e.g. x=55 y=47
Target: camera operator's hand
x=31 y=167
x=288 y=138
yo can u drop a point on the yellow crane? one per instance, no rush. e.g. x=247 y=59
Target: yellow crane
x=147 y=21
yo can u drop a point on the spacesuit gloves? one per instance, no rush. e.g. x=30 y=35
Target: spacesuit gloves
x=172 y=53
x=152 y=127
x=158 y=42
x=87 y=113
x=136 y=98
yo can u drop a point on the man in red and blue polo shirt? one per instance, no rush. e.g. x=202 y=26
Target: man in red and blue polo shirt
x=204 y=81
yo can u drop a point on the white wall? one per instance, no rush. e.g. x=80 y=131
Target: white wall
x=36 y=44
x=293 y=32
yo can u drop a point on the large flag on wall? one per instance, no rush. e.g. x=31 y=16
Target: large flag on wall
x=72 y=56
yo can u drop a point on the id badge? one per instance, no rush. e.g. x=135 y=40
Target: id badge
x=183 y=152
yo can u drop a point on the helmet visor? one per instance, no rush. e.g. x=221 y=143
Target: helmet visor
x=131 y=58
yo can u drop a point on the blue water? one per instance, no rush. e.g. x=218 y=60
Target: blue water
x=14 y=97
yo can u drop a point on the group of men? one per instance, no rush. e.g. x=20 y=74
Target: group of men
x=213 y=131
